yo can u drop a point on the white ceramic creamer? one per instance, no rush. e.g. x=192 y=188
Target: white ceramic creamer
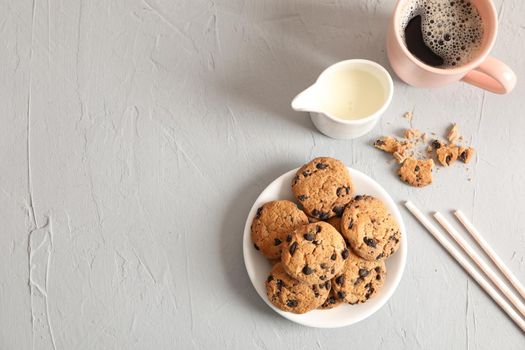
x=347 y=99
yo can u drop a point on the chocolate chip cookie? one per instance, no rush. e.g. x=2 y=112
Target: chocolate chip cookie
x=291 y=295
x=315 y=254
x=323 y=187
x=359 y=280
x=273 y=224
x=371 y=230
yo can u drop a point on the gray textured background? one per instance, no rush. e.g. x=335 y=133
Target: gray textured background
x=137 y=134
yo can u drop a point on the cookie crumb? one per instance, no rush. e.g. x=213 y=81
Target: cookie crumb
x=400 y=157
x=416 y=172
x=447 y=154
x=453 y=133
x=465 y=154
x=408 y=116
x=391 y=145
x=412 y=133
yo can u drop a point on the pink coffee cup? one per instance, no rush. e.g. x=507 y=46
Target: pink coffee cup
x=483 y=71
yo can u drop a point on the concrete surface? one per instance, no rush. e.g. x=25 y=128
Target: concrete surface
x=137 y=134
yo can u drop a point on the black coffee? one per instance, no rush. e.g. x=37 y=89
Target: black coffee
x=442 y=33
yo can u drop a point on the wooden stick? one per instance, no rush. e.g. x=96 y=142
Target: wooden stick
x=467 y=265
x=489 y=272
x=490 y=252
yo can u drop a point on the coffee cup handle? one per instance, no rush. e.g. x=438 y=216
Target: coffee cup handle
x=492 y=75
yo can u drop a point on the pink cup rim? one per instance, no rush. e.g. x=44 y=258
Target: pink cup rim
x=449 y=71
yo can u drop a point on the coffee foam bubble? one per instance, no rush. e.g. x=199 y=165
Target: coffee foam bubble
x=451 y=29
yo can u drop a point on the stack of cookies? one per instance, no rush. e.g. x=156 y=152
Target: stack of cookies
x=329 y=249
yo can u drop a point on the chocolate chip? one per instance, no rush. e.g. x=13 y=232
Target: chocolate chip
x=317 y=229
x=255 y=246
x=330 y=300
x=279 y=284
x=368 y=285
x=302 y=197
x=378 y=277
x=436 y=144
x=332 y=271
x=307 y=270
x=323 y=266
x=315 y=242
x=351 y=223
x=340 y=279
x=277 y=241
x=292 y=248
x=348 y=190
x=305 y=173
x=295 y=179
x=358 y=280
x=378 y=269
x=315 y=213
x=321 y=166
x=323 y=216
x=334 y=256
x=322 y=278
x=269 y=279
x=416 y=168
x=370 y=242
x=309 y=236
x=379 y=143
x=259 y=212
x=363 y=272
x=345 y=253
x=463 y=156
x=448 y=159
x=341 y=295
x=380 y=256
x=358 y=197
x=338 y=211
x=339 y=191
x=289 y=238
x=328 y=285
x=291 y=303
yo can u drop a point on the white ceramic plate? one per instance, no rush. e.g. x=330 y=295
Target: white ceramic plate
x=258 y=267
